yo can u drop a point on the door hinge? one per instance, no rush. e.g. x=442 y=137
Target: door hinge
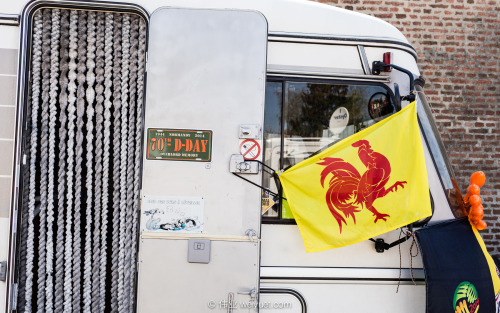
x=3 y=271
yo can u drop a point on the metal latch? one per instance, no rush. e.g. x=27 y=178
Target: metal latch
x=237 y=164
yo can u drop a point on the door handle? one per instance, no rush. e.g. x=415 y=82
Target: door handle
x=252 y=293
x=230 y=302
x=251 y=233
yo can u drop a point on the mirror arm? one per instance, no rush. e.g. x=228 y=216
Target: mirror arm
x=379 y=66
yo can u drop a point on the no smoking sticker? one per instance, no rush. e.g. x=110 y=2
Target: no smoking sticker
x=250 y=149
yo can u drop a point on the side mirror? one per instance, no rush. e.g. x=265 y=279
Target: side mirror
x=397 y=95
x=379 y=105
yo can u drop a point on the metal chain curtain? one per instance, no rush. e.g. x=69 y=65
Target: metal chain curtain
x=83 y=150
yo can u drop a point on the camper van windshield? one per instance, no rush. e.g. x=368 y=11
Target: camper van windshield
x=436 y=147
x=302 y=118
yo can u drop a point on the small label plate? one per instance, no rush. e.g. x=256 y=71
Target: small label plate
x=199 y=251
x=179 y=145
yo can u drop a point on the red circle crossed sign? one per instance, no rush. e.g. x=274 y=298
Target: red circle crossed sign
x=250 y=149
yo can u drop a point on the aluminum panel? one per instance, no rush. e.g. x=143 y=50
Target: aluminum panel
x=367 y=296
x=206 y=71
x=168 y=283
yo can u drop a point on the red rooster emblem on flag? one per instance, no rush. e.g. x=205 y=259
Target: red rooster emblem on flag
x=348 y=189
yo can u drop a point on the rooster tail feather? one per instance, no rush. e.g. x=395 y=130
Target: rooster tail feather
x=349 y=211
x=338 y=168
x=337 y=198
x=341 y=192
x=336 y=214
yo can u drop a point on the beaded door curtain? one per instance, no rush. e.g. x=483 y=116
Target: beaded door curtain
x=82 y=152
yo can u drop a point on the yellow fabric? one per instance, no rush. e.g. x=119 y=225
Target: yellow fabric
x=489 y=259
x=398 y=139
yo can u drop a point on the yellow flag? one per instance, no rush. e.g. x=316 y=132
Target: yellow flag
x=495 y=274
x=367 y=184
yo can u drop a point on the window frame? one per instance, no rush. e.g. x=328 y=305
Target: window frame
x=432 y=133
x=284 y=79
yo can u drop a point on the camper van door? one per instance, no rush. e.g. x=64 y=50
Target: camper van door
x=200 y=225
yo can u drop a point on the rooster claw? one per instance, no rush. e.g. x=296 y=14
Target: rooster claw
x=381 y=216
x=394 y=187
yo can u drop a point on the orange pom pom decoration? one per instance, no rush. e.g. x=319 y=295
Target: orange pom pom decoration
x=476 y=218
x=473 y=190
x=478 y=179
x=480 y=225
x=476 y=213
x=474 y=200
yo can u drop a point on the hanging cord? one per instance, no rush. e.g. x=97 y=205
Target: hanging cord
x=400 y=260
x=80 y=111
x=54 y=75
x=35 y=96
x=108 y=72
x=90 y=95
x=266 y=168
x=259 y=186
x=99 y=120
x=61 y=174
x=414 y=244
x=68 y=253
x=273 y=172
x=116 y=159
x=409 y=233
x=129 y=236
x=44 y=156
x=123 y=302
x=138 y=139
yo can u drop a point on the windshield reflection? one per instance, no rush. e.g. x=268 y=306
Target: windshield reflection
x=439 y=156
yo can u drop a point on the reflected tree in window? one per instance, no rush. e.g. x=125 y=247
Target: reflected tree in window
x=310 y=108
x=308 y=126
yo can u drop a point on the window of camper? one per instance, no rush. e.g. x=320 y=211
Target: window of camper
x=439 y=156
x=302 y=118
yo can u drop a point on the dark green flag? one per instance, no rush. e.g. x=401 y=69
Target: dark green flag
x=460 y=275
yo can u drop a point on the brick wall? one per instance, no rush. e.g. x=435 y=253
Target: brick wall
x=458 y=44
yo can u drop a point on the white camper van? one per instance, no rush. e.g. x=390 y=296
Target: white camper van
x=128 y=131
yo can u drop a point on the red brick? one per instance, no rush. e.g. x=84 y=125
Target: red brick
x=459 y=54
